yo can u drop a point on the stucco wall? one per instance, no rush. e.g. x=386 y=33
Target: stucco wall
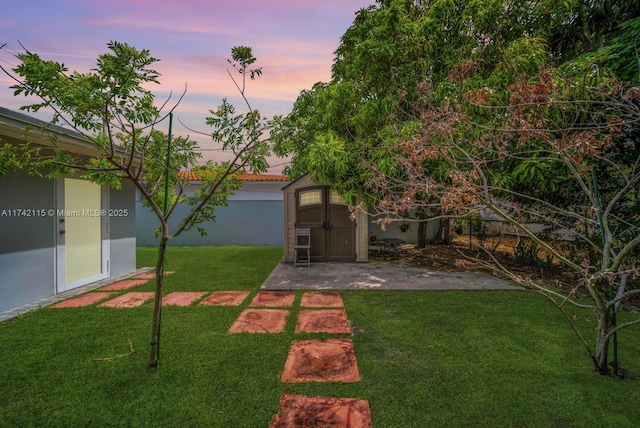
x=239 y=223
x=31 y=261
x=122 y=230
x=27 y=243
x=253 y=217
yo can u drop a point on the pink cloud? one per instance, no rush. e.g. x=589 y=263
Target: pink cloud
x=294 y=41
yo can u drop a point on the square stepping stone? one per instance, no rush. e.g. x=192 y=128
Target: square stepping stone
x=328 y=360
x=182 y=298
x=300 y=411
x=150 y=275
x=225 y=298
x=82 y=300
x=129 y=300
x=323 y=321
x=260 y=321
x=273 y=298
x=322 y=299
x=124 y=285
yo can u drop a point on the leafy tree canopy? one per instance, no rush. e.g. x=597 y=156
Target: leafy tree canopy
x=396 y=47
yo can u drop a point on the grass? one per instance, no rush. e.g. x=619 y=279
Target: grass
x=426 y=359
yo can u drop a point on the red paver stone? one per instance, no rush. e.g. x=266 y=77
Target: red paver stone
x=124 y=285
x=329 y=360
x=323 y=321
x=299 y=411
x=273 y=298
x=129 y=300
x=260 y=321
x=82 y=300
x=225 y=298
x=182 y=298
x=321 y=299
x=150 y=275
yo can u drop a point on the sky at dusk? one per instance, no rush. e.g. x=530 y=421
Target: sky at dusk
x=294 y=41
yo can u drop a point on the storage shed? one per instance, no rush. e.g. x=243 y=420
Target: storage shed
x=334 y=235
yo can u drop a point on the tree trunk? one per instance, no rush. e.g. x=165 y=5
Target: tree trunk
x=446 y=231
x=154 y=354
x=601 y=356
x=422 y=234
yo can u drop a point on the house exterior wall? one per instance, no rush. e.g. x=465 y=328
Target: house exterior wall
x=28 y=270
x=122 y=229
x=253 y=216
x=28 y=243
x=31 y=265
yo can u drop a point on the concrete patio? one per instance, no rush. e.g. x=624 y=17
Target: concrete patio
x=377 y=275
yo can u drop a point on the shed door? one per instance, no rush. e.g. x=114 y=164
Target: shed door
x=333 y=233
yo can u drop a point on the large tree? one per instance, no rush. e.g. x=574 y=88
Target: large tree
x=546 y=145
x=114 y=109
x=581 y=133
x=396 y=44
x=440 y=107
x=340 y=130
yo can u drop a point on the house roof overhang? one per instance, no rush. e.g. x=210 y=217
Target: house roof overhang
x=16 y=128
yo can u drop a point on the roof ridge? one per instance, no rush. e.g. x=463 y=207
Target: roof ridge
x=194 y=176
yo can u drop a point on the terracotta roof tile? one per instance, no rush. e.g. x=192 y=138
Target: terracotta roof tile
x=189 y=176
x=193 y=176
x=262 y=177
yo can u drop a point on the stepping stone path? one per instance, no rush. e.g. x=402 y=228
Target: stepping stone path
x=150 y=275
x=328 y=360
x=82 y=300
x=300 y=411
x=124 y=285
x=260 y=321
x=182 y=298
x=273 y=298
x=321 y=299
x=133 y=299
x=315 y=360
x=225 y=298
x=325 y=321
x=129 y=300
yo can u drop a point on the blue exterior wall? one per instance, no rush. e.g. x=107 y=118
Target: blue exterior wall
x=239 y=223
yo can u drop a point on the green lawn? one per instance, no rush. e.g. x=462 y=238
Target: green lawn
x=441 y=359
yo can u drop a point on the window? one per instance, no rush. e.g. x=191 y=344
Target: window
x=311 y=197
